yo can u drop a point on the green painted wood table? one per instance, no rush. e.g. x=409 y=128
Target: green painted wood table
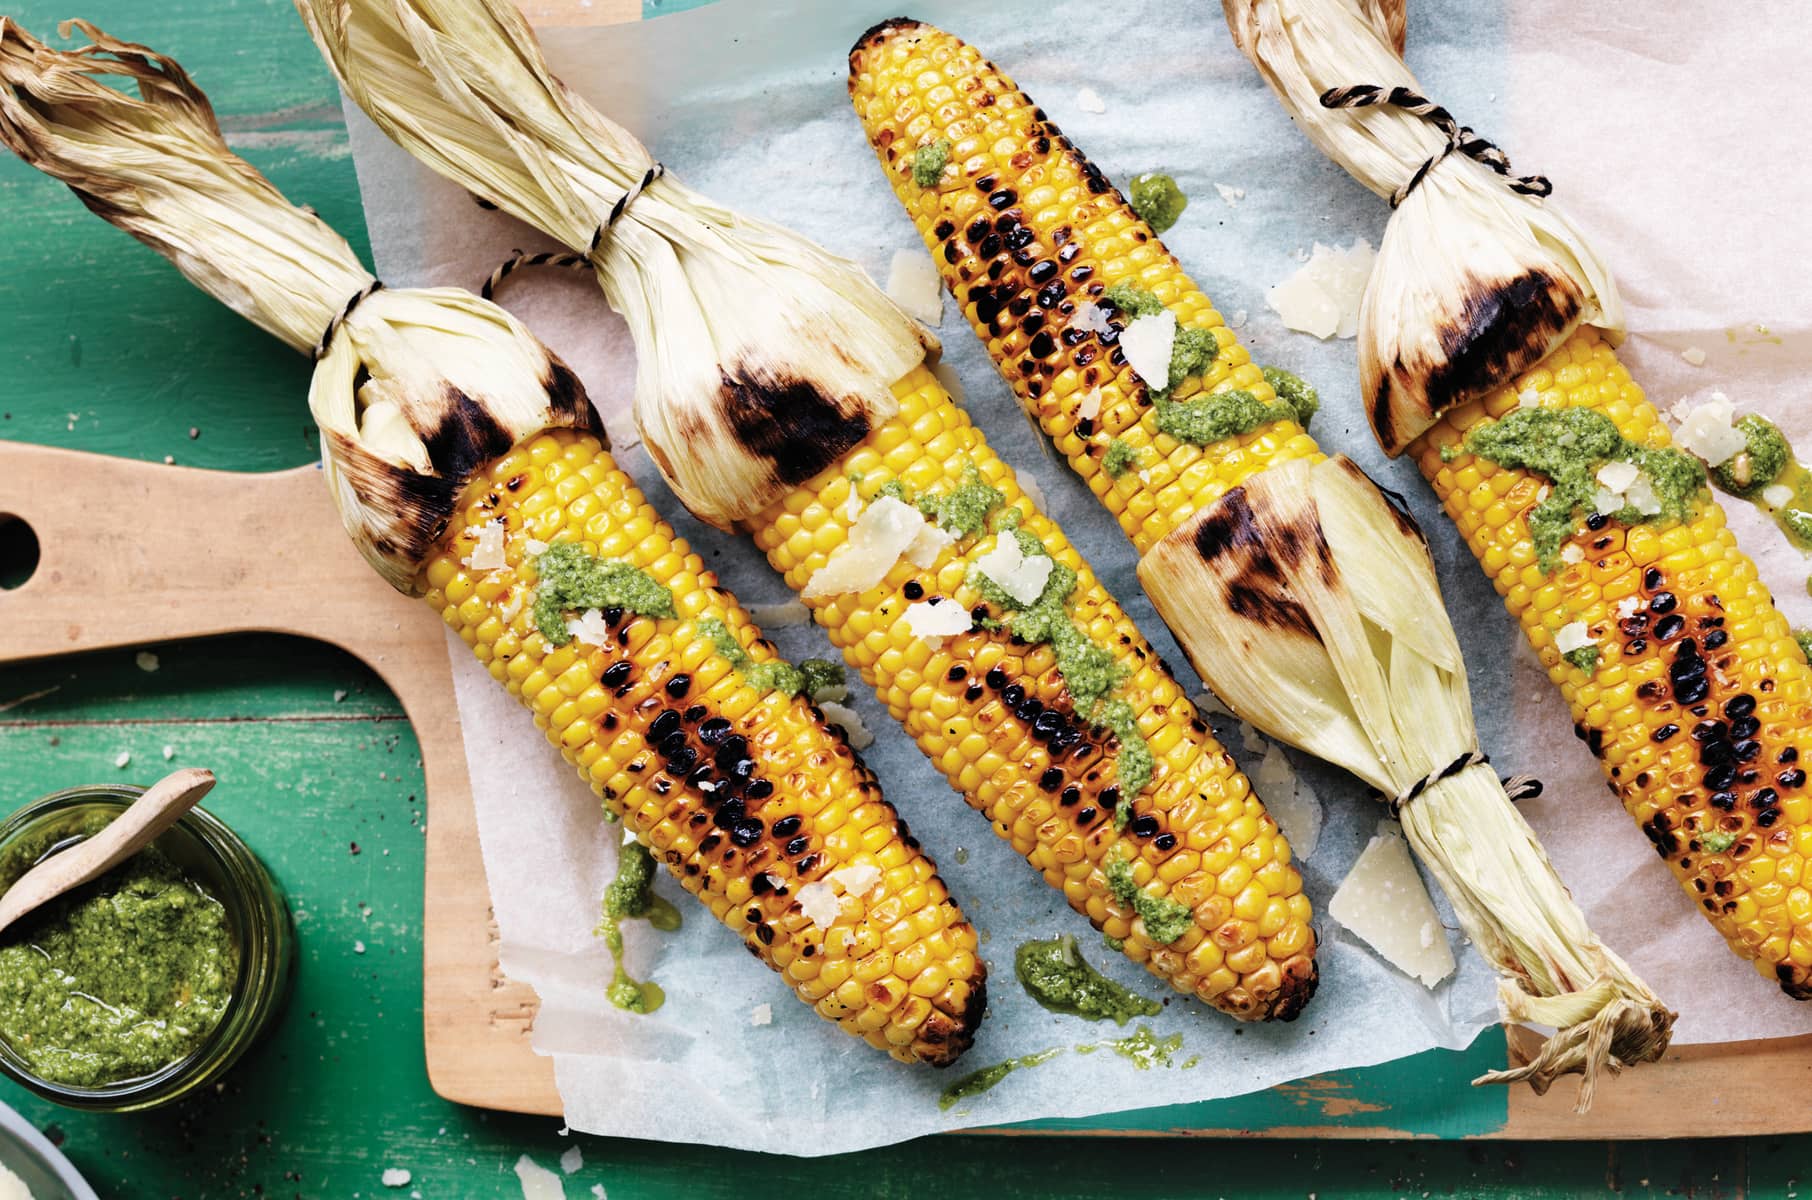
x=103 y=348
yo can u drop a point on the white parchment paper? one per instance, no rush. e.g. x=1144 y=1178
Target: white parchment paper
x=746 y=100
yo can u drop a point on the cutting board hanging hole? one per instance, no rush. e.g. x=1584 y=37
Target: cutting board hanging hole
x=18 y=552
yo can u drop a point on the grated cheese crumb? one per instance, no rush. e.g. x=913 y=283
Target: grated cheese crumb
x=819 y=904
x=169 y=753
x=1777 y=495
x=850 y=721
x=1147 y=343
x=535 y=546
x=1572 y=553
x=1230 y=195
x=572 y=1160
x=858 y=879
x=1322 y=297
x=396 y=1177
x=1573 y=637
x=1626 y=607
x=589 y=627
x=1019 y=575
x=1694 y=356
x=1089 y=101
x=124 y=760
x=488 y=554
x=1528 y=398
x=913 y=284
x=1617 y=476
x=761 y=1014
x=1090 y=318
x=146 y=661
x=1089 y=407
x=933 y=620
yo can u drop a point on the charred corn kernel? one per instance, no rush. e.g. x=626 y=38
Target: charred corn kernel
x=1026 y=233
x=653 y=715
x=1700 y=706
x=998 y=721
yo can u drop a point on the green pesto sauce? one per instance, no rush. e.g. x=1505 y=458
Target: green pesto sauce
x=572 y=581
x=977 y=1082
x=1760 y=462
x=1112 y=942
x=1143 y=1048
x=963 y=511
x=1055 y=974
x=928 y=162
x=1192 y=355
x=811 y=676
x=1804 y=638
x=1165 y=919
x=1569 y=445
x=1158 y=200
x=630 y=896
x=1717 y=841
x=896 y=488
x=1585 y=658
x=1295 y=391
x=1219 y=416
x=1088 y=668
x=1120 y=458
x=119 y=978
x=1133 y=301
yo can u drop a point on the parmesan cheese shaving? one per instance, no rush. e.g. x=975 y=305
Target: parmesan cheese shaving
x=913 y=284
x=1322 y=297
x=1147 y=343
x=1289 y=800
x=879 y=537
x=1090 y=318
x=1617 y=476
x=1708 y=431
x=1693 y=356
x=1777 y=495
x=1383 y=900
x=933 y=620
x=488 y=554
x=538 y=1183
x=761 y=1014
x=1013 y=571
x=850 y=721
x=1089 y=407
x=928 y=545
x=1089 y=101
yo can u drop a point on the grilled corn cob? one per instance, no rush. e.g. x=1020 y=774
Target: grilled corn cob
x=1699 y=699
x=1025 y=232
x=1693 y=695
x=457 y=443
x=1282 y=573
x=1188 y=869
x=996 y=718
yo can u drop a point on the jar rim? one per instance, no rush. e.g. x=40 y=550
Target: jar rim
x=245 y=889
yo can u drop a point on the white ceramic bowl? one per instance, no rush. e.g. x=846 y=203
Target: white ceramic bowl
x=29 y=1155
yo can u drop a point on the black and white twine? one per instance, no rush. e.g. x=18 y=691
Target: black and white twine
x=566 y=258
x=333 y=327
x=1517 y=787
x=1459 y=137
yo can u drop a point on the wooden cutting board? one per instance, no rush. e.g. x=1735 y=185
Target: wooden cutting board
x=134 y=552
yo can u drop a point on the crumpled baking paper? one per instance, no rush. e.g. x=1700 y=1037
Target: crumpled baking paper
x=1646 y=136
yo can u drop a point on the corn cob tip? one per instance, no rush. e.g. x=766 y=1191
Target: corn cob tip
x=878 y=33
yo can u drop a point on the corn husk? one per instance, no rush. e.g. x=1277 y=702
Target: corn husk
x=417 y=390
x=1475 y=283
x=761 y=358
x=1308 y=603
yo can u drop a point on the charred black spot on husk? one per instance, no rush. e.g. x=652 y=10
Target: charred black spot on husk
x=418 y=507
x=1504 y=328
x=567 y=402
x=1245 y=558
x=463 y=437
x=790 y=422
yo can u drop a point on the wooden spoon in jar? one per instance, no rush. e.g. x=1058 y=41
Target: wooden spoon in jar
x=161 y=806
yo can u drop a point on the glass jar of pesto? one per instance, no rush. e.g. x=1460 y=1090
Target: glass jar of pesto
x=148 y=984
